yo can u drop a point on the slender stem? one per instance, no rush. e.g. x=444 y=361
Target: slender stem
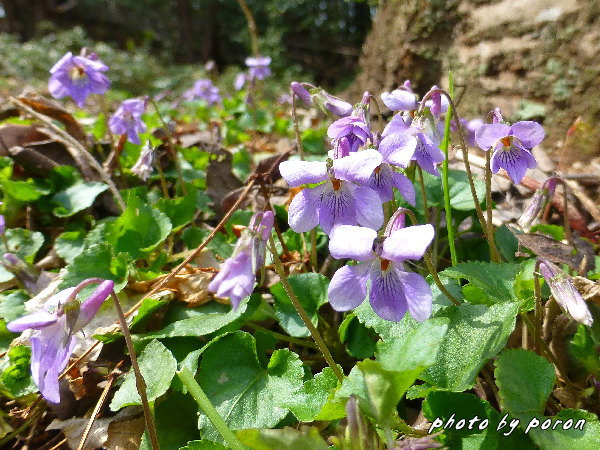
x=423 y=194
x=494 y=255
x=296 y=126
x=302 y=313
x=171 y=147
x=111 y=379
x=251 y=26
x=465 y=152
x=431 y=267
x=437 y=280
x=283 y=337
x=139 y=379
x=445 y=182
x=379 y=116
x=163 y=181
x=208 y=408
x=538 y=308
x=566 y=224
x=313 y=250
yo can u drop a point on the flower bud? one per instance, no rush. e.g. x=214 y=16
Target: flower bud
x=565 y=293
x=301 y=92
x=538 y=202
x=328 y=103
x=143 y=166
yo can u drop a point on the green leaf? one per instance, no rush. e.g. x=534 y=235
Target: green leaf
x=417 y=350
x=24 y=191
x=203 y=444
x=200 y=321
x=148 y=307
x=497 y=280
x=476 y=333
x=525 y=380
x=76 y=198
x=23 y=243
x=556 y=232
x=243 y=392
x=97 y=261
x=310 y=402
x=358 y=339
x=459 y=188
x=311 y=290
x=157 y=366
x=139 y=229
x=180 y=211
x=585 y=437
x=12 y=306
x=175 y=421
x=582 y=347
x=70 y=244
x=444 y=406
x=16 y=378
x=507 y=243
x=283 y=439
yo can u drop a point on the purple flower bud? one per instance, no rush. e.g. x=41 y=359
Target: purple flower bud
x=301 y=92
x=538 y=202
x=565 y=293
x=2 y=222
x=237 y=275
x=240 y=81
x=204 y=90
x=78 y=77
x=496 y=115
x=396 y=222
x=127 y=119
x=143 y=166
x=54 y=339
x=329 y=103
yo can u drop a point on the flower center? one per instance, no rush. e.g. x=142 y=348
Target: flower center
x=78 y=74
x=384 y=264
x=336 y=184
x=378 y=169
x=506 y=141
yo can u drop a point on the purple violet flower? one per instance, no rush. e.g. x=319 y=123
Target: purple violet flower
x=143 y=166
x=384 y=178
x=237 y=275
x=78 y=76
x=511 y=146
x=329 y=103
x=258 y=67
x=565 y=293
x=393 y=291
x=55 y=326
x=426 y=137
x=203 y=90
x=352 y=128
x=401 y=99
x=127 y=119
x=337 y=201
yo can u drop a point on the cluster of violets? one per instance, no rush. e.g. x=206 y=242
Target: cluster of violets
x=258 y=69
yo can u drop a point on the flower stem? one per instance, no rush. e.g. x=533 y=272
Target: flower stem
x=296 y=126
x=302 y=313
x=538 y=308
x=423 y=194
x=494 y=255
x=283 y=337
x=207 y=407
x=171 y=148
x=445 y=183
x=251 y=27
x=139 y=379
x=313 y=250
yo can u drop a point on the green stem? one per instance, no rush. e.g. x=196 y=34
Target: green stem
x=537 y=338
x=495 y=256
x=283 y=337
x=445 y=182
x=423 y=194
x=139 y=379
x=302 y=313
x=207 y=408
